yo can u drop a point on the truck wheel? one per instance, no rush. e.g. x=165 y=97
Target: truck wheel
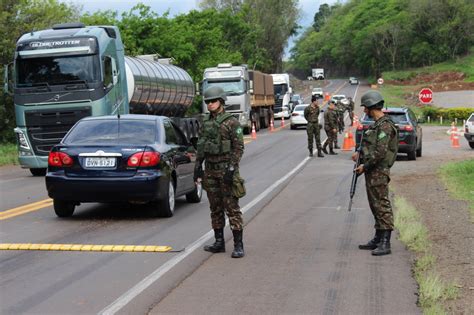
x=63 y=208
x=471 y=144
x=38 y=171
x=165 y=207
x=196 y=195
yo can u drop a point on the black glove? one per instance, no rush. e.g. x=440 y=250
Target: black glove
x=229 y=176
x=198 y=173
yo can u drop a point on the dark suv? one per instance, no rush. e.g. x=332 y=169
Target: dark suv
x=409 y=130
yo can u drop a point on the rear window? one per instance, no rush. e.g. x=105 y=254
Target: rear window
x=397 y=118
x=300 y=108
x=471 y=119
x=112 y=132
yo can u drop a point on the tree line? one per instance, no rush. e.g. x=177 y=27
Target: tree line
x=252 y=32
x=367 y=37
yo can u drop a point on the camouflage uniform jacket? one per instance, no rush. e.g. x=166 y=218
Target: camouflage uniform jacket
x=221 y=140
x=380 y=145
x=311 y=113
x=350 y=106
x=340 y=108
x=330 y=120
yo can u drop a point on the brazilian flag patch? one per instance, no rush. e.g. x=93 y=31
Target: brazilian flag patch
x=382 y=135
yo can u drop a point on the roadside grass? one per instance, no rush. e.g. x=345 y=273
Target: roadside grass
x=432 y=290
x=8 y=154
x=462 y=64
x=459 y=179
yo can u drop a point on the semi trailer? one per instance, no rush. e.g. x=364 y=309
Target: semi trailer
x=71 y=71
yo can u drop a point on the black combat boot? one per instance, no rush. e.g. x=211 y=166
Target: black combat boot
x=219 y=244
x=310 y=152
x=383 y=248
x=324 y=148
x=372 y=244
x=336 y=146
x=320 y=154
x=331 y=151
x=238 y=244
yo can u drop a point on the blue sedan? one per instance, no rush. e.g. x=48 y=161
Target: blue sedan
x=131 y=158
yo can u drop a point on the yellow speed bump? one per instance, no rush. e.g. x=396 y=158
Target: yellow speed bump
x=86 y=247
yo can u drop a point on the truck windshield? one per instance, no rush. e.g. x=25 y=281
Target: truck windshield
x=236 y=87
x=280 y=89
x=57 y=70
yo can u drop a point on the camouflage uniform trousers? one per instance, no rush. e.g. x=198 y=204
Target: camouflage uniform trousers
x=332 y=138
x=376 y=183
x=313 y=130
x=222 y=201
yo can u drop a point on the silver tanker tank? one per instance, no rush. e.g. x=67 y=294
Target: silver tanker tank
x=158 y=89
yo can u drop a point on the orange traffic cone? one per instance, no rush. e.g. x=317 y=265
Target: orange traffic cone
x=346 y=145
x=351 y=139
x=454 y=130
x=282 y=120
x=272 y=127
x=455 y=141
x=254 y=132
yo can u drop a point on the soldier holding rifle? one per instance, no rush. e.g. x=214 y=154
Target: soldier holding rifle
x=378 y=152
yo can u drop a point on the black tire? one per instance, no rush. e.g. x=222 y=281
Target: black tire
x=412 y=155
x=293 y=127
x=471 y=144
x=419 y=150
x=165 y=207
x=38 y=171
x=63 y=208
x=196 y=195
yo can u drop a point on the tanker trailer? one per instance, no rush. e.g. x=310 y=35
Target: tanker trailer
x=72 y=71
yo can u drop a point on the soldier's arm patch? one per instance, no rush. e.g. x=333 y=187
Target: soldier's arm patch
x=382 y=135
x=239 y=132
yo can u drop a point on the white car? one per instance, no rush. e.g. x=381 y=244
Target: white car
x=469 y=131
x=297 y=117
x=340 y=97
x=353 y=80
x=285 y=112
x=318 y=92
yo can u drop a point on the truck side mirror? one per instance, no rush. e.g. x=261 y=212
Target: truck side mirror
x=114 y=72
x=198 y=88
x=107 y=74
x=251 y=86
x=290 y=90
x=7 y=87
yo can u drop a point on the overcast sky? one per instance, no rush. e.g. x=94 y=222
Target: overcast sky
x=308 y=7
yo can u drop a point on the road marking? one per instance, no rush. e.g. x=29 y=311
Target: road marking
x=26 y=208
x=125 y=298
x=86 y=247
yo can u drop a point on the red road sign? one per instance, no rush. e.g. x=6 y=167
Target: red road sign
x=425 y=96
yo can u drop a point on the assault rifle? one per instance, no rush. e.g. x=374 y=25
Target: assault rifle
x=354 y=174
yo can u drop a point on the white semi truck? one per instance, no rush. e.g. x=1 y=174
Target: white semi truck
x=249 y=93
x=283 y=93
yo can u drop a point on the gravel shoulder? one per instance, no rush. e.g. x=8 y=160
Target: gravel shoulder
x=450 y=229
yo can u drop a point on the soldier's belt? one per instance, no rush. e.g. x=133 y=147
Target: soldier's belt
x=216 y=166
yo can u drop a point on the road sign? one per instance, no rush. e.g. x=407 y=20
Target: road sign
x=380 y=81
x=425 y=96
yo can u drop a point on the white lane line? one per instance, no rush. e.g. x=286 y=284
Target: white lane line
x=123 y=300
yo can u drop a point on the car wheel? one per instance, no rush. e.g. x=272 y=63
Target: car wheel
x=63 y=208
x=293 y=127
x=471 y=144
x=165 y=207
x=412 y=155
x=196 y=195
x=38 y=171
x=419 y=150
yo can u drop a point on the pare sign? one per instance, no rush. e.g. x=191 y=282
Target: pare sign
x=425 y=96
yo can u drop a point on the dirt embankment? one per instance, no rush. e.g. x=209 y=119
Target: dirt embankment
x=438 y=82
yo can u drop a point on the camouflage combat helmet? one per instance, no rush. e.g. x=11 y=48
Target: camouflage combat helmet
x=214 y=92
x=372 y=99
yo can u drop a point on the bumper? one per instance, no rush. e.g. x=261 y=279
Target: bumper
x=144 y=186
x=469 y=137
x=33 y=161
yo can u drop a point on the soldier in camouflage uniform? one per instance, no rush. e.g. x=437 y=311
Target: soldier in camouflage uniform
x=330 y=126
x=221 y=147
x=350 y=109
x=379 y=146
x=311 y=114
x=340 y=109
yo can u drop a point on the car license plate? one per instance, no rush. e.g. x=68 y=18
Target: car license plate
x=98 y=162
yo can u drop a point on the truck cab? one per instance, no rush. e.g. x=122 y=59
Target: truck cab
x=61 y=75
x=283 y=93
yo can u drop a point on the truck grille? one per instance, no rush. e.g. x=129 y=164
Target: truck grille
x=46 y=128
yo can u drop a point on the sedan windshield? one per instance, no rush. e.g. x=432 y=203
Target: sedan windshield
x=117 y=131
x=57 y=70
